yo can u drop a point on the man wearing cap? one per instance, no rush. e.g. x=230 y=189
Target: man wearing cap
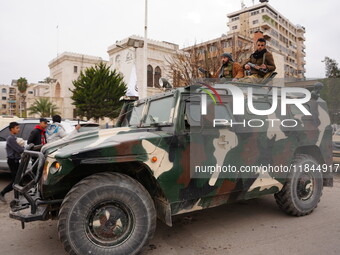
x=38 y=134
x=229 y=68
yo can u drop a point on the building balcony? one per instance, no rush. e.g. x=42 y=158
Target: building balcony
x=267 y=34
x=300 y=37
x=265 y=26
x=300 y=28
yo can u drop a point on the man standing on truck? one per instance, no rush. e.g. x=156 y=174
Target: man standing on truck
x=14 y=151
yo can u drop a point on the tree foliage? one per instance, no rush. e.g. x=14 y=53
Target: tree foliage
x=332 y=70
x=43 y=107
x=331 y=92
x=22 y=84
x=97 y=92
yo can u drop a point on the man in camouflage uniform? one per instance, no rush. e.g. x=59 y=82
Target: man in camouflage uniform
x=260 y=64
x=229 y=69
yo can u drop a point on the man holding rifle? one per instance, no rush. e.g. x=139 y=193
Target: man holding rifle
x=229 y=69
x=260 y=64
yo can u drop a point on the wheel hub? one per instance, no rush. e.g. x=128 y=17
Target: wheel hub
x=305 y=187
x=109 y=223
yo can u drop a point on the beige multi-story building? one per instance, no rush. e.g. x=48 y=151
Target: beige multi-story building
x=209 y=51
x=128 y=52
x=64 y=70
x=282 y=36
x=35 y=91
x=8 y=100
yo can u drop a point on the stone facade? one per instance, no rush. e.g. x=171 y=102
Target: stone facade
x=123 y=56
x=64 y=69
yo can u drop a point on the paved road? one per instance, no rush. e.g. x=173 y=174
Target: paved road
x=252 y=227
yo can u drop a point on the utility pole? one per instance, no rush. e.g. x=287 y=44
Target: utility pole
x=144 y=92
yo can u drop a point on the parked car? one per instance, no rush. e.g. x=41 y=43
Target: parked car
x=336 y=147
x=27 y=125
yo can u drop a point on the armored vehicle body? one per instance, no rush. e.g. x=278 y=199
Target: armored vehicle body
x=179 y=151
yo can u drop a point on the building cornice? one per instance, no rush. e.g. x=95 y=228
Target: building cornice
x=259 y=6
x=70 y=56
x=151 y=43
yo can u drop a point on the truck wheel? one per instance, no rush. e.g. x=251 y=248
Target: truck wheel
x=303 y=188
x=106 y=213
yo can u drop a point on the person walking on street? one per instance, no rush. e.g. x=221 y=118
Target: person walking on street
x=14 y=151
x=38 y=134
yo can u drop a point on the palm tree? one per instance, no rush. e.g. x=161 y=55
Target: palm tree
x=22 y=87
x=43 y=107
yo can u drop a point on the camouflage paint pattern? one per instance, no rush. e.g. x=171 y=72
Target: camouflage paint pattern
x=168 y=153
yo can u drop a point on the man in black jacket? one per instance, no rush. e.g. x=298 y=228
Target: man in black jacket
x=14 y=151
x=38 y=134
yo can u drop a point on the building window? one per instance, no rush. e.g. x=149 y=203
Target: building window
x=57 y=90
x=75 y=69
x=117 y=59
x=254 y=13
x=150 y=76
x=235 y=18
x=30 y=92
x=4 y=98
x=226 y=44
x=234 y=28
x=212 y=48
x=255 y=21
x=128 y=57
x=4 y=91
x=4 y=106
x=158 y=75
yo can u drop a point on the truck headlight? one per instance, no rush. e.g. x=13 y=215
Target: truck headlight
x=55 y=167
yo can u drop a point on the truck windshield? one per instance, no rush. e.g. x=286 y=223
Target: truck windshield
x=160 y=111
x=136 y=115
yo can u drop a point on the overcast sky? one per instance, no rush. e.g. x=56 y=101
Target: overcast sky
x=33 y=32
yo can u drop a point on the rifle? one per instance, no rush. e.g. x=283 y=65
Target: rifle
x=264 y=71
x=205 y=72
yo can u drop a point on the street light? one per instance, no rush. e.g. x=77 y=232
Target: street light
x=137 y=43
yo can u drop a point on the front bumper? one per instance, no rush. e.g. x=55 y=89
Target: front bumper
x=27 y=205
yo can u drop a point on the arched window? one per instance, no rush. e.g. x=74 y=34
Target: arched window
x=4 y=91
x=150 y=76
x=117 y=59
x=158 y=75
x=57 y=90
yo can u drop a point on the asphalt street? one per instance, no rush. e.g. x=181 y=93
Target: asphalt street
x=256 y=226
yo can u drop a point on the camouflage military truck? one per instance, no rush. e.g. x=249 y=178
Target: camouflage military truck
x=176 y=152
